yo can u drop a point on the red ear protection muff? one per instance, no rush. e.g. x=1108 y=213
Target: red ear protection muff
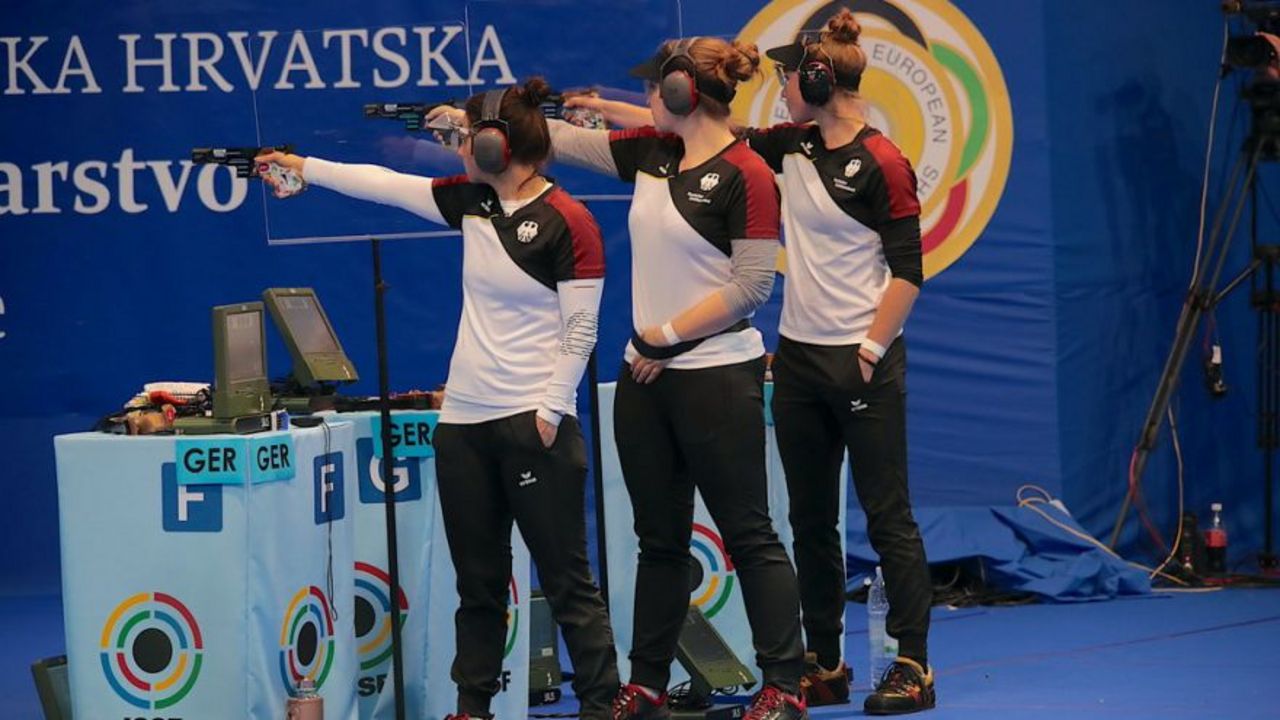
x=490 y=138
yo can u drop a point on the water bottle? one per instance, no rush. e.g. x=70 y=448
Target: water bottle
x=1215 y=543
x=883 y=646
x=306 y=704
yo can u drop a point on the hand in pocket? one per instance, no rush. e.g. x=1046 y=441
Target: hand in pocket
x=867 y=369
x=546 y=431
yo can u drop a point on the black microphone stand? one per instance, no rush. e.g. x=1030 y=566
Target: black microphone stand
x=388 y=494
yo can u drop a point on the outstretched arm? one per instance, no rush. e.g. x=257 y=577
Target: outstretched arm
x=615 y=112
x=365 y=182
x=583 y=147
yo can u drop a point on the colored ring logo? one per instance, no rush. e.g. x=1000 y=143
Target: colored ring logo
x=713 y=571
x=933 y=86
x=306 y=640
x=151 y=651
x=373 y=614
x=513 y=617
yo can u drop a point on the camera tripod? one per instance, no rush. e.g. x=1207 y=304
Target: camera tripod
x=1203 y=297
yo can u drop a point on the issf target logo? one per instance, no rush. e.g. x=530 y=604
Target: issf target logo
x=513 y=617
x=306 y=640
x=373 y=614
x=151 y=651
x=713 y=574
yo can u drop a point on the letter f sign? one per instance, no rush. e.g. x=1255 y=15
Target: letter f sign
x=186 y=496
x=329 y=485
x=189 y=508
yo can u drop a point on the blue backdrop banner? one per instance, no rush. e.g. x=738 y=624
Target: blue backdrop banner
x=1058 y=163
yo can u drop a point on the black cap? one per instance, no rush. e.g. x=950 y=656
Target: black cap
x=791 y=55
x=650 y=69
x=788 y=56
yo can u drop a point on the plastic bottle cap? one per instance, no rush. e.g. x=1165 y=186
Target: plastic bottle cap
x=1216 y=507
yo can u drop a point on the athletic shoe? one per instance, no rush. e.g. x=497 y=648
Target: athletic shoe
x=821 y=686
x=905 y=688
x=635 y=703
x=774 y=704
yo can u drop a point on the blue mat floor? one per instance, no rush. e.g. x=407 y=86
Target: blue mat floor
x=1206 y=655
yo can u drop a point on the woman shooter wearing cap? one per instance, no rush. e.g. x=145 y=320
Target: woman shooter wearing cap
x=508 y=446
x=689 y=409
x=852 y=222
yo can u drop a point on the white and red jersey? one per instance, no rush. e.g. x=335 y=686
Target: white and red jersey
x=531 y=280
x=683 y=227
x=851 y=220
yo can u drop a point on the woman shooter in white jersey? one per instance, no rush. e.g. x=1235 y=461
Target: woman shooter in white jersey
x=508 y=446
x=689 y=410
x=852 y=226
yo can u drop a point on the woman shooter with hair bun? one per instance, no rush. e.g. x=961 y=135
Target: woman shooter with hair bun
x=852 y=221
x=689 y=412
x=508 y=446
x=854 y=272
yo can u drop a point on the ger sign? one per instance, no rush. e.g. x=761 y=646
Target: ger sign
x=411 y=434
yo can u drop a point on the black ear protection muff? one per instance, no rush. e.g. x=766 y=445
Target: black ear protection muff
x=817 y=77
x=490 y=138
x=678 y=84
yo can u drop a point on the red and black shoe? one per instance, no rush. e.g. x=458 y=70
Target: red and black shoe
x=774 y=704
x=821 y=686
x=465 y=716
x=635 y=703
x=905 y=688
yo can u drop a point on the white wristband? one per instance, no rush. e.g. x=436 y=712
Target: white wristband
x=874 y=348
x=669 y=333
